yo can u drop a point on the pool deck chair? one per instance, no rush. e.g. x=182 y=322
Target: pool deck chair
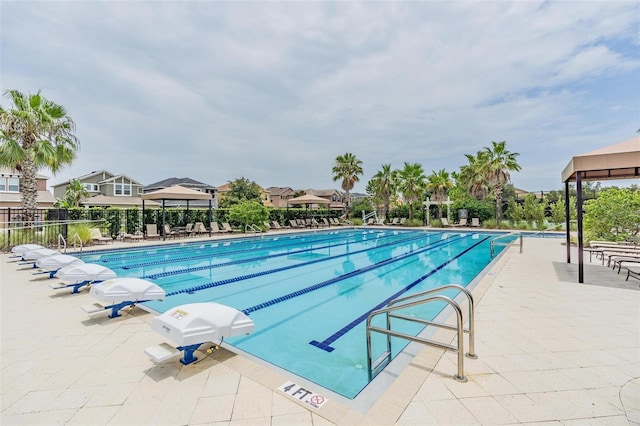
x=633 y=272
x=215 y=228
x=227 y=228
x=97 y=237
x=152 y=231
x=445 y=222
x=463 y=222
x=52 y=264
x=83 y=275
x=119 y=293
x=475 y=222
x=192 y=325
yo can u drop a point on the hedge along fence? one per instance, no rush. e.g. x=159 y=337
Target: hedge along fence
x=114 y=221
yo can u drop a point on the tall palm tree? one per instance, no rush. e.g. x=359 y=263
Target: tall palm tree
x=411 y=183
x=439 y=183
x=495 y=164
x=35 y=133
x=384 y=185
x=348 y=169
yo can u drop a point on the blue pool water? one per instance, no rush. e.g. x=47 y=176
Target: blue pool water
x=309 y=294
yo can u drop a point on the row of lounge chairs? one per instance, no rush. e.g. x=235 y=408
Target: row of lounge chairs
x=188 y=231
x=475 y=222
x=617 y=255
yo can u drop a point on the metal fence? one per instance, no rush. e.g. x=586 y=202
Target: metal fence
x=45 y=226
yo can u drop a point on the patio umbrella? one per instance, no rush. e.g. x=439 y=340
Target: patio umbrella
x=308 y=200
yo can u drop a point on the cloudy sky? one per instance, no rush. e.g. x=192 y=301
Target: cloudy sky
x=275 y=91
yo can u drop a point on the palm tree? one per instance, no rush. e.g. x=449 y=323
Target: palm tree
x=495 y=164
x=472 y=179
x=411 y=183
x=73 y=195
x=384 y=185
x=348 y=169
x=439 y=183
x=35 y=133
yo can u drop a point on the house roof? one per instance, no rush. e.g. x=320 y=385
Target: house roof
x=619 y=161
x=110 y=177
x=44 y=197
x=278 y=190
x=172 y=181
x=88 y=175
x=115 y=177
x=322 y=192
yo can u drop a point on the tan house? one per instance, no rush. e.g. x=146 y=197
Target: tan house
x=278 y=196
x=106 y=189
x=10 y=189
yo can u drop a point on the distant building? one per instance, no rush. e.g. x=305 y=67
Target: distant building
x=187 y=183
x=278 y=195
x=106 y=190
x=11 y=189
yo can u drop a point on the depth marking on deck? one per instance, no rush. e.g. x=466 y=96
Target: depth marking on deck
x=301 y=394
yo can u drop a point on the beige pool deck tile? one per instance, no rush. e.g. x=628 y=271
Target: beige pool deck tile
x=551 y=351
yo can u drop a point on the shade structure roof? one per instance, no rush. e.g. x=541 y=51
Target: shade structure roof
x=619 y=161
x=176 y=192
x=308 y=199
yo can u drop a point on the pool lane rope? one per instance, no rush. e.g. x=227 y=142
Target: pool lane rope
x=206 y=255
x=258 y=258
x=359 y=271
x=284 y=268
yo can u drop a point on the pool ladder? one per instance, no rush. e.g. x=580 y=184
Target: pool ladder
x=391 y=311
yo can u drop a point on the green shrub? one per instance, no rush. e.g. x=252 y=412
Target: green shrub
x=84 y=233
x=413 y=223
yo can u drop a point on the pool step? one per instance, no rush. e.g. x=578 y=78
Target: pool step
x=161 y=352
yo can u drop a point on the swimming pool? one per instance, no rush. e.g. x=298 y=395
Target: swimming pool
x=309 y=293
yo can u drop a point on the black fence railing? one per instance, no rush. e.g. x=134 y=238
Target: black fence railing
x=45 y=226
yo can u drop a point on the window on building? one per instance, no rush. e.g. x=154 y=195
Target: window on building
x=13 y=184
x=122 y=189
x=91 y=187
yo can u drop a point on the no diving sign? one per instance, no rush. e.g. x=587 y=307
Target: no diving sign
x=308 y=397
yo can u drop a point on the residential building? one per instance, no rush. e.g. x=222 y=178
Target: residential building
x=278 y=196
x=187 y=183
x=10 y=189
x=106 y=189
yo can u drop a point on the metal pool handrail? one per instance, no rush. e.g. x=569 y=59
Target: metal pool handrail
x=424 y=297
x=494 y=242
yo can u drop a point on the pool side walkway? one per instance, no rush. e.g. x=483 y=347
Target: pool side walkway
x=551 y=351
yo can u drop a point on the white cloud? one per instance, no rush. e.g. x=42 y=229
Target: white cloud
x=219 y=90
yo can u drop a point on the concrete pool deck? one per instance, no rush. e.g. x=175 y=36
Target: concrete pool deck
x=551 y=351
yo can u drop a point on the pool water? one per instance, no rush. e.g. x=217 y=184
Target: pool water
x=309 y=294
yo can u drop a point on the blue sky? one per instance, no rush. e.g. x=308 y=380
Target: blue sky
x=275 y=91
